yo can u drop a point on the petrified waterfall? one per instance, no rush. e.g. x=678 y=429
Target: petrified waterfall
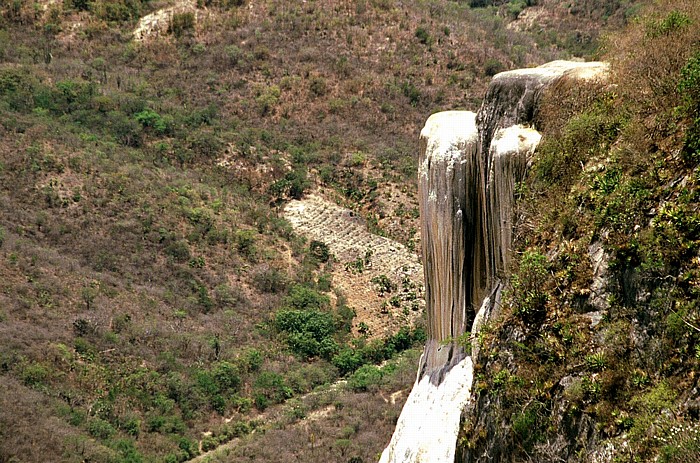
x=469 y=166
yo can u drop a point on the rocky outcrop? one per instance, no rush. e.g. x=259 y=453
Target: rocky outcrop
x=469 y=169
x=156 y=24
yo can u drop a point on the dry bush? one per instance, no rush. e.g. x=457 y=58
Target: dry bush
x=647 y=58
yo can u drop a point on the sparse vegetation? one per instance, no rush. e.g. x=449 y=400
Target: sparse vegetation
x=616 y=170
x=150 y=287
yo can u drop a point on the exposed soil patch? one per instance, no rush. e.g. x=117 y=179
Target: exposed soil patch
x=362 y=257
x=156 y=23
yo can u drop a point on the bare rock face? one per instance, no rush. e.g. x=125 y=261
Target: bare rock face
x=511 y=105
x=469 y=169
x=510 y=155
x=448 y=161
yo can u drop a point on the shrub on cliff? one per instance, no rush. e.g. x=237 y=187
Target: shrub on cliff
x=689 y=87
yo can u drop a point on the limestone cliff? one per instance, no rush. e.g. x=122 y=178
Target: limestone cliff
x=469 y=168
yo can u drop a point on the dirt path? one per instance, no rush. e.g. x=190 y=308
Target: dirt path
x=360 y=257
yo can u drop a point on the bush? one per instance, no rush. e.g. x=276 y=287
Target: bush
x=528 y=425
x=384 y=284
x=318 y=249
x=127 y=451
x=181 y=24
x=689 y=88
x=34 y=374
x=126 y=131
x=674 y=21
x=226 y=376
x=309 y=332
x=267 y=99
x=18 y=87
x=301 y=297
x=245 y=243
x=179 y=251
x=529 y=295
x=292 y=185
x=423 y=36
x=349 y=360
x=116 y=11
x=689 y=85
x=100 y=429
x=318 y=86
x=365 y=378
x=493 y=67
x=205 y=143
x=270 y=280
x=269 y=388
x=151 y=119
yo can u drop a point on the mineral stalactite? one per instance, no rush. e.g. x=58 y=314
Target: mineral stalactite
x=469 y=167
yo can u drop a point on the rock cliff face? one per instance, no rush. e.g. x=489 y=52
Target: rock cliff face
x=469 y=167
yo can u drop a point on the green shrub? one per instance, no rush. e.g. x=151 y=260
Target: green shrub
x=309 y=332
x=116 y=11
x=151 y=119
x=126 y=131
x=292 y=185
x=515 y=7
x=366 y=377
x=100 y=429
x=348 y=360
x=127 y=451
x=189 y=447
x=674 y=21
x=318 y=249
x=689 y=88
x=689 y=85
x=205 y=143
x=270 y=387
x=302 y=298
x=181 y=24
x=86 y=350
x=34 y=374
x=179 y=250
x=267 y=98
x=324 y=282
x=411 y=92
x=528 y=426
x=18 y=87
x=251 y=360
x=384 y=284
x=226 y=376
x=245 y=243
x=529 y=295
x=318 y=86
x=233 y=54
x=423 y=36
x=270 y=280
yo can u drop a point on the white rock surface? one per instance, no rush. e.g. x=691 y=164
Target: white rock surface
x=427 y=429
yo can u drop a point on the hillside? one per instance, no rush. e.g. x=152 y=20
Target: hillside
x=154 y=301
x=595 y=354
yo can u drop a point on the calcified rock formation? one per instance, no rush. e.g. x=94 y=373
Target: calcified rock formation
x=469 y=167
x=447 y=162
